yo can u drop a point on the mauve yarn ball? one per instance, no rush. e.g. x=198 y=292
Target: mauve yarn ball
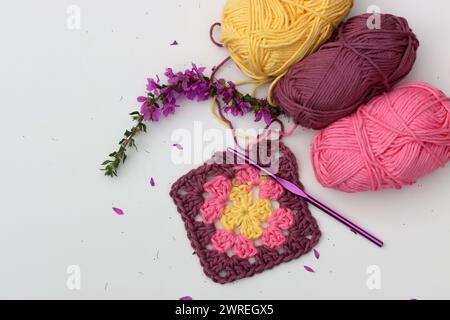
x=353 y=67
x=390 y=142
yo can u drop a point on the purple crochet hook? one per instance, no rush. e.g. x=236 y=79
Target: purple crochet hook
x=296 y=190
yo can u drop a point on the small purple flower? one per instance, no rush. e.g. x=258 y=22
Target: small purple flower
x=173 y=78
x=243 y=106
x=198 y=71
x=202 y=90
x=237 y=107
x=264 y=113
x=150 y=112
x=226 y=90
x=220 y=86
x=156 y=113
x=233 y=109
x=194 y=85
x=145 y=111
x=169 y=109
x=169 y=94
x=153 y=86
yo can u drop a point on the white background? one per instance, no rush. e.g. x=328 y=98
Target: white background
x=65 y=95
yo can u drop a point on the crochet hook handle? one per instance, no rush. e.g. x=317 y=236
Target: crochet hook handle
x=296 y=190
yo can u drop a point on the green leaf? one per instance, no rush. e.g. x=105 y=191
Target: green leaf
x=142 y=127
x=249 y=98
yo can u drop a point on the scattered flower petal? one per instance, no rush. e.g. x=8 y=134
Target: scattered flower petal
x=316 y=254
x=186 y=298
x=264 y=114
x=118 y=211
x=152 y=182
x=178 y=146
x=309 y=269
x=174 y=43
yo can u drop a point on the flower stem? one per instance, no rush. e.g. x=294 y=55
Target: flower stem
x=117 y=157
x=160 y=99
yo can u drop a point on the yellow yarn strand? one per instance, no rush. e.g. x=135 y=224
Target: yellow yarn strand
x=272 y=86
x=215 y=115
x=266 y=37
x=227 y=125
x=257 y=83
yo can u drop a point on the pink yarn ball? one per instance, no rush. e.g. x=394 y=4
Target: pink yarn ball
x=390 y=142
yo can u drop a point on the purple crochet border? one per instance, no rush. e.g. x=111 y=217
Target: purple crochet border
x=187 y=193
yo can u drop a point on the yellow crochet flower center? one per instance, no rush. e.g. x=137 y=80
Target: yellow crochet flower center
x=246 y=215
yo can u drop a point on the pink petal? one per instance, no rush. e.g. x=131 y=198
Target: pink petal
x=212 y=209
x=219 y=187
x=223 y=240
x=186 y=298
x=247 y=174
x=118 y=211
x=178 y=146
x=309 y=269
x=281 y=218
x=272 y=237
x=244 y=248
x=152 y=182
x=270 y=189
x=174 y=43
x=316 y=254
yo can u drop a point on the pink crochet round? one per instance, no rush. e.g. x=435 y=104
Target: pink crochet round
x=391 y=142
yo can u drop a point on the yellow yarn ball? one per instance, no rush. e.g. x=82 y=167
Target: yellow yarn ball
x=266 y=37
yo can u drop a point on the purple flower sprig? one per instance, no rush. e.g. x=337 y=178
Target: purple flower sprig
x=161 y=99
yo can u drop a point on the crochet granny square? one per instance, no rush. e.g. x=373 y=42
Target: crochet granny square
x=241 y=222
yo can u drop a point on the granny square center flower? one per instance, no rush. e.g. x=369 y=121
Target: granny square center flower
x=246 y=220
x=241 y=222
